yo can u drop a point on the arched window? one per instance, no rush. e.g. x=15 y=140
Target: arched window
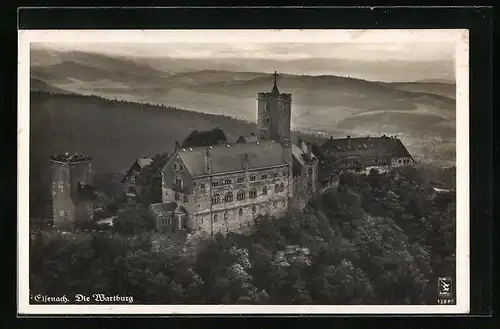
x=276 y=188
x=177 y=197
x=254 y=210
x=228 y=197
x=264 y=190
x=215 y=218
x=225 y=215
x=216 y=199
x=181 y=166
x=282 y=187
x=240 y=212
x=185 y=199
x=253 y=193
x=178 y=181
x=175 y=166
x=241 y=195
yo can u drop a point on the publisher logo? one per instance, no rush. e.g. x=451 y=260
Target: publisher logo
x=444 y=286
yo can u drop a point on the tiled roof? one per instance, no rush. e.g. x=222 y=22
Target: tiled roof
x=143 y=162
x=162 y=210
x=231 y=157
x=363 y=148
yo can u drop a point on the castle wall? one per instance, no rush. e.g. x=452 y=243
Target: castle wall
x=227 y=216
x=65 y=206
x=62 y=205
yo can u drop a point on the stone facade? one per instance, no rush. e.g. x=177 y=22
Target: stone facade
x=225 y=202
x=224 y=188
x=68 y=206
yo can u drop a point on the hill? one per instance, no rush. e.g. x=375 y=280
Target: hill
x=376 y=239
x=320 y=102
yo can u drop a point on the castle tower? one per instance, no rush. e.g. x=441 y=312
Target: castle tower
x=274 y=111
x=72 y=192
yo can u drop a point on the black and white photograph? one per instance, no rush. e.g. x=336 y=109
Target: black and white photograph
x=243 y=171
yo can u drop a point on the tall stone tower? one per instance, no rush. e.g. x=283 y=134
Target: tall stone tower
x=72 y=192
x=274 y=110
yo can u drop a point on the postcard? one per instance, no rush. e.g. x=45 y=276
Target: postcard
x=243 y=172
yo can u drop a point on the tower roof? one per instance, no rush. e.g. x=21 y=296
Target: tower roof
x=275 y=90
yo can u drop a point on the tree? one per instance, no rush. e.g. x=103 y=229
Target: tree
x=133 y=219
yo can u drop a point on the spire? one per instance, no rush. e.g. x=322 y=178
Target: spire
x=275 y=90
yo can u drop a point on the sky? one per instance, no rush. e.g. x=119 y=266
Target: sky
x=433 y=47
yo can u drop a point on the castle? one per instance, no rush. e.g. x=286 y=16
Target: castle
x=222 y=188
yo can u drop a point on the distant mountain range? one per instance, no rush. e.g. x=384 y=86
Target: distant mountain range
x=320 y=103
x=421 y=112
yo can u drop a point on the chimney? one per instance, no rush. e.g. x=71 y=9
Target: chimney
x=246 y=165
x=207 y=162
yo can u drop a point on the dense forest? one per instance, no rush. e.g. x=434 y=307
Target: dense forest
x=375 y=238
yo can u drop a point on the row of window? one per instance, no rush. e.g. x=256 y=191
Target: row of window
x=240 y=211
x=405 y=161
x=179 y=166
x=252 y=194
x=239 y=180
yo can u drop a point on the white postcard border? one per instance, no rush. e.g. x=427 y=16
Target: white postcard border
x=461 y=37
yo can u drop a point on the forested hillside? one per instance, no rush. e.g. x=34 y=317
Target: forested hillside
x=381 y=238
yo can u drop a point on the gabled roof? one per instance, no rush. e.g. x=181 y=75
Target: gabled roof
x=369 y=147
x=231 y=157
x=161 y=210
x=143 y=162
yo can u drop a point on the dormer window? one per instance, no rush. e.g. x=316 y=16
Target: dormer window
x=181 y=166
x=178 y=181
x=175 y=166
